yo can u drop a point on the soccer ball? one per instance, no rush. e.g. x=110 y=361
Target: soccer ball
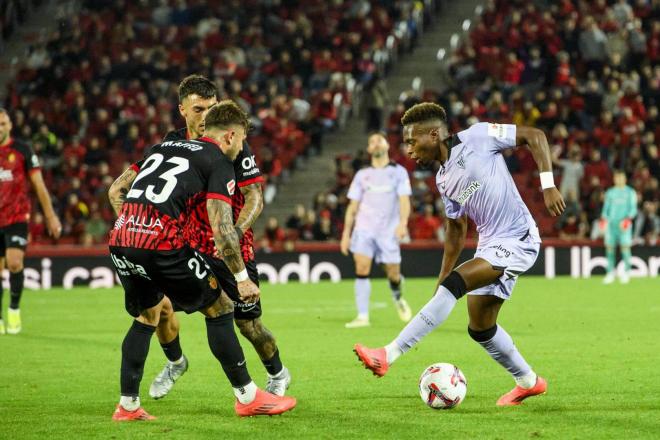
x=442 y=386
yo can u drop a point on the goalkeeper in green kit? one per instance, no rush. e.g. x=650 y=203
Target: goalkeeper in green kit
x=619 y=209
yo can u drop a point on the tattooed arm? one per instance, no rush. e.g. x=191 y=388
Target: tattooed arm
x=226 y=240
x=119 y=189
x=254 y=204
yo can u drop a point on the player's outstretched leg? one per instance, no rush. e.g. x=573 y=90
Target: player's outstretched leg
x=262 y=339
x=434 y=313
x=134 y=354
x=498 y=344
x=250 y=401
x=177 y=364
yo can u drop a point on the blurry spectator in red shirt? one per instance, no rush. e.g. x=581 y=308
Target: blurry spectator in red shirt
x=274 y=235
x=598 y=167
x=426 y=226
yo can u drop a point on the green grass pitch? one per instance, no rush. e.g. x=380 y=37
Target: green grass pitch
x=597 y=346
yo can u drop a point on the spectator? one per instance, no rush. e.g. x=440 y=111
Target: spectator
x=376 y=99
x=427 y=226
x=647 y=224
x=296 y=220
x=572 y=172
x=273 y=235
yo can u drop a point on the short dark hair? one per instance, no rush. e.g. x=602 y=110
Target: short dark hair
x=225 y=114
x=197 y=85
x=424 y=112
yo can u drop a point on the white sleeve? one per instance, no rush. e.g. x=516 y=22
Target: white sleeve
x=403 y=187
x=492 y=137
x=355 y=190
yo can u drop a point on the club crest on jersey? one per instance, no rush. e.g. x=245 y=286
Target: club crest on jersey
x=461 y=162
x=231 y=187
x=12 y=157
x=213 y=282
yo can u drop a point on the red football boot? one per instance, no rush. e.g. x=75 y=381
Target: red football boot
x=518 y=394
x=265 y=404
x=374 y=359
x=123 y=415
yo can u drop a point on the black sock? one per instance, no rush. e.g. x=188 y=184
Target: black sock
x=16 y=281
x=172 y=349
x=134 y=352
x=226 y=348
x=274 y=364
x=396 y=289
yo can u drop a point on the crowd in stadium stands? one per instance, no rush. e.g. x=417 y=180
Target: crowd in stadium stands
x=586 y=72
x=13 y=14
x=103 y=88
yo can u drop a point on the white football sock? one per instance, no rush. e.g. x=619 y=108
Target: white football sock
x=527 y=381
x=362 y=294
x=247 y=393
x=502 y=349
x=434 y=313
x=393 y=352
x=129 y=403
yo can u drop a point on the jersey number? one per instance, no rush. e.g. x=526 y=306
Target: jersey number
x=196 y=266
x=150 y=165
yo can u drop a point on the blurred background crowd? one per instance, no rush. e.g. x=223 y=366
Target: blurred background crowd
x=102 y=88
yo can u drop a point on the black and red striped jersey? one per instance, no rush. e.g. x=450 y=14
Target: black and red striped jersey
x=247 y=172
x=17 y=162
x=173 y=183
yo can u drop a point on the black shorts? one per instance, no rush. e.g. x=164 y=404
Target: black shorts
x=228 y=283
x=180 y=274
x=13 y=236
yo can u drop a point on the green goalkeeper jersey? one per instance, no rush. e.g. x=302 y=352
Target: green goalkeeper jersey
x=620 y=203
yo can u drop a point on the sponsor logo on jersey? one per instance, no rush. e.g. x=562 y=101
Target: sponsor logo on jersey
x=11 y=157
x=501 y=252
x=6 y=175
x=126 y=268
x=380 y=189
x=20 y=240
x=231 y=187
x=248 y=162
x=140 y=224
x=497 y=131
x=187 y=145
x=465 y=195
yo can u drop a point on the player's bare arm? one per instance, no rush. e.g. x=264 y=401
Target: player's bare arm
x=254 y=204
x=404 y=215
x=226 y=239
x=349 y=219
x=119 y=189
x=455 y=232
x=538 y=144
x=52 y=221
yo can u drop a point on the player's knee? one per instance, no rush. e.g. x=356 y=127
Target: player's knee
x=455 y=284
x=15 y=265
x=482 y=335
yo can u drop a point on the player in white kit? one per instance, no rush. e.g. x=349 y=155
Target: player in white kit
x=474 y=182
x=376 y=221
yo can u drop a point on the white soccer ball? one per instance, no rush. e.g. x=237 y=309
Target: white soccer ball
x=442 y=386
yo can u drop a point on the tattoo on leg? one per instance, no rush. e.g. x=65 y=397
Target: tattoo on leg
x=260 y=337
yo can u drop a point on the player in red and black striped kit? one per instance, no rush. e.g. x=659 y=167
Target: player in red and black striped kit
x=18 y=166
x=196 y=96
x=152 y=257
